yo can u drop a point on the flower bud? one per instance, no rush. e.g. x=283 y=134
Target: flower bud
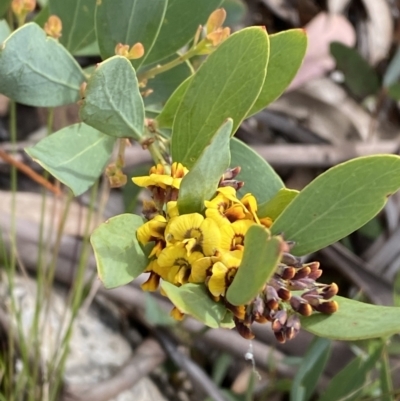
x=53 y=27
x=301 y=306
x=22 y=7
x=215 y=20
x=284 y=294
x=301 y=273
x=327 y=307
x=329 y=291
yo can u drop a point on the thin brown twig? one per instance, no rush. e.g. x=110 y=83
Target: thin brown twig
x=30 y=173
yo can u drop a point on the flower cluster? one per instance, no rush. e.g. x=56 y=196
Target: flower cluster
x=208 y=248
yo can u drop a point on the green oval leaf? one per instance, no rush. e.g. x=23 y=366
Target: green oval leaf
x=166 y=118
x=201 y=182
x=287 y=51
x=180 y=24
x=354 y=321
x=118 y=254
x=261 y=255
x=112 y=102
x=38 y=71
x=338 y=202
x=194 y=299
x=128 y=22
x=219 y=90
x=258 y=176
x=274 y=207
x=75 y=155
x=77 y=18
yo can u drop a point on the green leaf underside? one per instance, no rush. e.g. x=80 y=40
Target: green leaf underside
x=338 y=202
x=180 y=24
x=201 y=182
x=166 y=118
x=311 y=368
x=219 y=90
x=77 y=18
x=287 y=51
x=360 y=77
x=119 y=256
x=113 y=103
x=75 y=155
x=354 y=321
x=128 y=22
x=195 y=300
x=258 y=176
x=163 y=85
x=350 y=382
x=274 y=207
x=260 y=258
x=5 y=30
x=38 y=71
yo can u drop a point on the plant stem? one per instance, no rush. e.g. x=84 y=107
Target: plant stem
x=194 y=51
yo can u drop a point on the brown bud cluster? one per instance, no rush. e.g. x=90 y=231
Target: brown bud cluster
x=228 y=179
x=277 y=303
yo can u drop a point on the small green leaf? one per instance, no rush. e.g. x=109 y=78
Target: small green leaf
x=163 y=85
x=219 y=90
x=274 y=207
x=112 y=102
x=5 y=30
x=258 y=176
x=354 y=321
x=128 y=22
x=194 y=299
x=77 y=17
x=349 y=383
x=118 y=254
x=166 y=118
x=75 y=155
x=360 y=77
x=201 y=182
x=310 y=370
x=287 y=51
x=180 y=24
x=38 y=71
x=338 y=202
x=260 y=258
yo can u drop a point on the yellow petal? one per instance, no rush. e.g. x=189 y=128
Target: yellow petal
x=217 y=282
x=153 y=229
x=152 y=283
x=177 y=314
x=184 y=227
